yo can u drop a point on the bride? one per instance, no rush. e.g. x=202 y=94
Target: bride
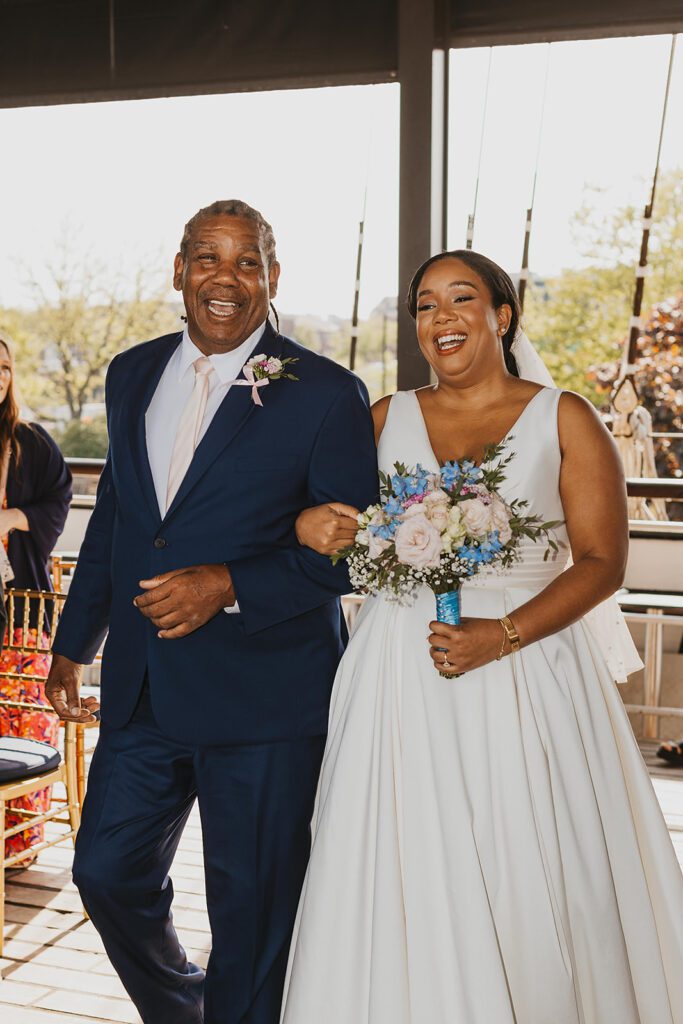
x=488 y=849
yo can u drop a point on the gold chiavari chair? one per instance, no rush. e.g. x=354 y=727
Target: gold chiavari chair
x=61 y=570
x=32 y=622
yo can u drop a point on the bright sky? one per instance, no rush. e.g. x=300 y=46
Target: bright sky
x=125 y=176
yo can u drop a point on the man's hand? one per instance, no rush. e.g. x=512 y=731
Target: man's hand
x=181 y=601
x=327 y=528
x=62 y=689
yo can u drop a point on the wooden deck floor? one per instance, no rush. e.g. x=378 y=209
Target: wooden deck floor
x=55 y=970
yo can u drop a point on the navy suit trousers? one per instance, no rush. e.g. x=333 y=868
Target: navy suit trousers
x=256 y=804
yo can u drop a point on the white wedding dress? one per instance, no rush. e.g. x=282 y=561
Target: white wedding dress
x=488 y=849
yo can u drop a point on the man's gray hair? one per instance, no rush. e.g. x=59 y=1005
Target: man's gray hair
x=232 y=208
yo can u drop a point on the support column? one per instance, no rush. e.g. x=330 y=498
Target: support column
x=423 y=75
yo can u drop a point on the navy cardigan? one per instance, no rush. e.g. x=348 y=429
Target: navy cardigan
x=41 y=487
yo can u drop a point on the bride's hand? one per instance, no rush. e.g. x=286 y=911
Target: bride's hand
x=474 y=643
x=327 y=528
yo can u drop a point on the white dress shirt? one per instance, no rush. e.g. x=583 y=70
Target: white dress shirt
x=172 y=394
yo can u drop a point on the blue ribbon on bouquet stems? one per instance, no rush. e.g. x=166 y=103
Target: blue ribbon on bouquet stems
x=448 y=610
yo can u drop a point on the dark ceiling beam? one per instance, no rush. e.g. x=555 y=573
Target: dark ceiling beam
x=209 y=88
x=60 y=51
x=501 y=23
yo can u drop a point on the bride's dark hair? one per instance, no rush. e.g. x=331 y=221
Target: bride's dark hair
x=499 y=284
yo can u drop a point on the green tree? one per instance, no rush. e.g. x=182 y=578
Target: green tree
x=379 y=379
x=81 y=317
x=579 y=323
x=85 y=439
x=582 y=314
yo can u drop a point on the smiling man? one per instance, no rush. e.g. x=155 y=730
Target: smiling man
x=224 y=634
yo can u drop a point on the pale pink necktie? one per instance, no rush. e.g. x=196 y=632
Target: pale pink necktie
x=189 y=427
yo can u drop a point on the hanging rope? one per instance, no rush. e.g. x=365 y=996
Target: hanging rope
x=353 y=350
x=524 y=271
x=631 y=347
x=356 y=293
x=472 y=217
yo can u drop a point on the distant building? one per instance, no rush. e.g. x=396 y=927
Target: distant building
x=388 y=307
x=535 y=280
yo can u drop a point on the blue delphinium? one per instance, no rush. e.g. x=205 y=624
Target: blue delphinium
x=471 y=472
x=490 y=547
x=393 y=507
x=465 y=472
x=384 y=530
x=470 y=553
x=410 y=486
x=450 y=475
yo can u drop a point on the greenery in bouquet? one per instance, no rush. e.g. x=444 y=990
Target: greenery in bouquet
x=440 y=529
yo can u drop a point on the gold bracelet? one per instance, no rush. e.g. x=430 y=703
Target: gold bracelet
x=505 y=637
x=511 y=633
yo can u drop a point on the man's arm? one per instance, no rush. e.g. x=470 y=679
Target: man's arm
x=279 y=585
x=85 y=618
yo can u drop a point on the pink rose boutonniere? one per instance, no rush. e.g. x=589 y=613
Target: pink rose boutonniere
x=261 y=370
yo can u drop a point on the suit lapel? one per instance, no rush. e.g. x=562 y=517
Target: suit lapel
x=231 y=416
x=140 y=396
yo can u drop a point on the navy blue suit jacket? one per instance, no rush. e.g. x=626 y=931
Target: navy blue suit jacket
x=263 y=674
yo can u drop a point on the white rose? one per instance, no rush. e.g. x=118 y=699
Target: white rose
x=378 y=518
x=436 y=506
x=377 y=545
x=476 y=517
x=365 y=518
x=456 y=528
x=363 y=537
x=500 y=519
x=418 y=543
x=415 y=509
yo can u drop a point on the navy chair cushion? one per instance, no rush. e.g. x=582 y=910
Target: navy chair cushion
x=21 y=758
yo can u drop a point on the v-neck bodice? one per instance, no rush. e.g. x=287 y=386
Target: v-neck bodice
x=533 y=475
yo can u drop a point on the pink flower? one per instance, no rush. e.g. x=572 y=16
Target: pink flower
x=477 y=491
x=416 y=499
x=477 y=517
x=418 y=543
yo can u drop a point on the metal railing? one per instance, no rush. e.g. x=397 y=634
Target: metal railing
x=637 y=487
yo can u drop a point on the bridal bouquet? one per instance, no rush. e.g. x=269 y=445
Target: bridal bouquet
x=440 y=529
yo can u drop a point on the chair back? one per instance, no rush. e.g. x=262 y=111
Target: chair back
x=61 y=570
x=32 y=620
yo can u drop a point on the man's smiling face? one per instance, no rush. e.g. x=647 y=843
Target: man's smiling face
x=226 y=281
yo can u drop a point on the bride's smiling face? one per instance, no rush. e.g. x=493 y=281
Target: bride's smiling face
x=458 y=328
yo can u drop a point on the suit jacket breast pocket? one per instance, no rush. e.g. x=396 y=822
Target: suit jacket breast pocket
x=274 y=463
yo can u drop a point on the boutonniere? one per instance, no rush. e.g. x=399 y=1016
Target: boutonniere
x=261 y=370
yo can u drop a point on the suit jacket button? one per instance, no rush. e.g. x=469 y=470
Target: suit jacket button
x=159 y=543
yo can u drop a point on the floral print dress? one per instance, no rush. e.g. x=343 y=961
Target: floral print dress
x=41 y=488
x=35 y=725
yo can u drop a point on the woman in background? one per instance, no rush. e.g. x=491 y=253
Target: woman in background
x=35 y=493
